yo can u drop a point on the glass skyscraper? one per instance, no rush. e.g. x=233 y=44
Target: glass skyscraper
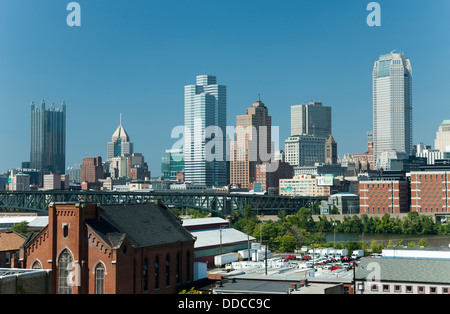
x=205 y=107
x=48 y=139
x=311 y=119
x=392 y=105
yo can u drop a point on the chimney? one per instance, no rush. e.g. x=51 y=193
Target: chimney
x=14 y=261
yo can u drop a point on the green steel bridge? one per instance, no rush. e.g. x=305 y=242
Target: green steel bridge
x=221 y=203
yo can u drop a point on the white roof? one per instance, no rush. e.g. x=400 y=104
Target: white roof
x=33 y=221
x=203 y=221
x=211 y=237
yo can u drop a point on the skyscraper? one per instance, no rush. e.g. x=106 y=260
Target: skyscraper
x=48 y=139
x=205 y=122
x=252 y=145
x=392 y=104
x=442 y=141
x=120 y=144
x=311 y=119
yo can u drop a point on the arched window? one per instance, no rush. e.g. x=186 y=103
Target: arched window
x=167 y=270
x=156 y=273
x=65 y=273
x=145 y=275
x=188 y=268
x=36 y=265
x=100 y=279
x=178 y=275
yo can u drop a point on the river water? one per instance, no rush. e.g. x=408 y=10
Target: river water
x=432 y=240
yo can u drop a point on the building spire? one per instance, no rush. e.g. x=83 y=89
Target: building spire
x=120 y=121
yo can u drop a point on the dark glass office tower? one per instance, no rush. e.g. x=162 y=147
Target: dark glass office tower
x=48 y=139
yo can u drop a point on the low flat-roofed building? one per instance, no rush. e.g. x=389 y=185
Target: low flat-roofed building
x=213 y=240
x=274 y=287
x=402 y=276
x=417 y=252
x=35 y=223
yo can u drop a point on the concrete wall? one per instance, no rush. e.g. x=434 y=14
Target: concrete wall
x=26 y=282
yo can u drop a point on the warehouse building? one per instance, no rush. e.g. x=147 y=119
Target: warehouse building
x=214 y=236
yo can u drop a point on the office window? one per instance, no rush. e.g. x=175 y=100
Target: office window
x=409 y=289
x=397 y=288
x=385 y=288
x=420 y=289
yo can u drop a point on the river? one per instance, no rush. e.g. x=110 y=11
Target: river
x=432 y=240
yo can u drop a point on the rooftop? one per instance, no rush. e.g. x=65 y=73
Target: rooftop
x=143 y=224
x=405 y=270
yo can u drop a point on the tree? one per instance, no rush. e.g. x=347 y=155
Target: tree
x=422 y=242
x=20 y=228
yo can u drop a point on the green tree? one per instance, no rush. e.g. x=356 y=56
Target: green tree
x=422 y=242
x=20 y=228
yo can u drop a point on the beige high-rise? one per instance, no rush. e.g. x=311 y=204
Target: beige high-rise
x=252 y=144
x=442 y=141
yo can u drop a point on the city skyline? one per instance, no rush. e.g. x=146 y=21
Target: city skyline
x=284 y=59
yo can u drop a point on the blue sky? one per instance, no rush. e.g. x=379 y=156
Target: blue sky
x=134 y=58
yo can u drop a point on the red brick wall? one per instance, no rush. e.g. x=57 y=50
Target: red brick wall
x=429 y=192
x=123 y=265
x=383 y=197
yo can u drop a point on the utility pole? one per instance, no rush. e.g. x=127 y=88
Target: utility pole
x=265 y=260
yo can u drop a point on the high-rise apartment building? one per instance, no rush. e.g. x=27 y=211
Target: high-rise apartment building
x=311 y=119
x=392 y=104
x=252 y=144
x=48 y=139
x=205 y=108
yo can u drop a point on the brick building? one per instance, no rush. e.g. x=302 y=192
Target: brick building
x=430 y=191
x=386 y=196
x=91 y=172
x=269 y=174
x=112 y=249
x=9 y=246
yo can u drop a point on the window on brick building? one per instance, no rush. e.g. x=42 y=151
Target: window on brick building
x=100 y=279
x=188 y=268
x=178 y=275
x=145 y=275
x=64 y=273
x=156 y=273
x=168 y=270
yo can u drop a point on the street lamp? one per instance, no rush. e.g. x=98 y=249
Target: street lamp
x=334 y=225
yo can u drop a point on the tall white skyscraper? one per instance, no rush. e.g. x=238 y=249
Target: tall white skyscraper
x=392 y=105
x=205 y=108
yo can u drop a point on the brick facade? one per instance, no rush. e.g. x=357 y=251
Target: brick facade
x=105 y=257
x=383 y=197
x=430 y=191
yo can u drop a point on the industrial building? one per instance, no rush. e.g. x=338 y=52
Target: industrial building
x=214 y=236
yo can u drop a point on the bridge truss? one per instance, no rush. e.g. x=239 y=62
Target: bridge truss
x=39 y=201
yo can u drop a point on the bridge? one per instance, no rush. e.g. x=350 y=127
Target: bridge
x=221 y=203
